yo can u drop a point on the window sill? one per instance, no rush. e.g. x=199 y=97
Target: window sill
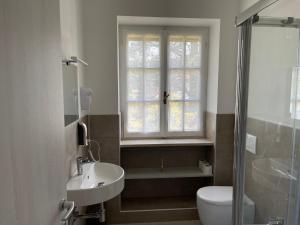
x=165 y=142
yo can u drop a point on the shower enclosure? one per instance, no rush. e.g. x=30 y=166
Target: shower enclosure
x=267 y=132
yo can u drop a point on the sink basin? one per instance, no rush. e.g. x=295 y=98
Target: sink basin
x=99 y=182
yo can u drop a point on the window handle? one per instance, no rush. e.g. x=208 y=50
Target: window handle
x=166 y=95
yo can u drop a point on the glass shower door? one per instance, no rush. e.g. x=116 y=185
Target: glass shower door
x=272 y=150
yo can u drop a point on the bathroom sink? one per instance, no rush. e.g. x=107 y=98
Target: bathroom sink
x=99 y=182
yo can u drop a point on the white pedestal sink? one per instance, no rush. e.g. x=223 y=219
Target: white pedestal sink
x=99 y=182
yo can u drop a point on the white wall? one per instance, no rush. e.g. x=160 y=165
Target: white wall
x=213 y=26
x=273 y=56
x=71 y=27
x=71 y=32
x=213 y=68
x=100 y=45
x=226 y=11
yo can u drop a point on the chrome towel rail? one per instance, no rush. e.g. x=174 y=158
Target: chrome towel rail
x=74 y=59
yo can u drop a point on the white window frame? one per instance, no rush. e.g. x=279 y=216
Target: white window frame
x=163 y=31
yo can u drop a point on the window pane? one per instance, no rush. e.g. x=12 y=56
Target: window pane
x=192 y=84
x=176 y=84
x=176 y=52
x=144 y=82
x=152 y=118
x=192 y=52
x=152 y=51
x=175 y=116
x=152 y=84
x=191 y=116
x=135 y=117
x=135 y=84
x=135 y=51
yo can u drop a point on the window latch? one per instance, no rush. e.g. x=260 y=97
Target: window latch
x=166 y=95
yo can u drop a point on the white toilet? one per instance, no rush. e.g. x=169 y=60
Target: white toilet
x=214 y=205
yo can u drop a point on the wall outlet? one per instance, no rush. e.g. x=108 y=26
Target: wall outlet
x=251 y=143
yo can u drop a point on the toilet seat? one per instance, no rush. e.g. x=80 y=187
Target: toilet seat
x=216 y=195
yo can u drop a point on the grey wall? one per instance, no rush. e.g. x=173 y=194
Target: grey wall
x=100 y=43
x=72 y=45
x=32 y=134
x=71 y=32
x=7 y=211
x=270 y=192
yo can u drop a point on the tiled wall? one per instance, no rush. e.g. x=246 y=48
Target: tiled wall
x=220 y=129
x=105 y=129
x=273 y=141
x=269 y=192
x=72 y=151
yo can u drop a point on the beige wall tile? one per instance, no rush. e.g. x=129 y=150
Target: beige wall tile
x=224 y=144
x=104 y=126
x=269 y=193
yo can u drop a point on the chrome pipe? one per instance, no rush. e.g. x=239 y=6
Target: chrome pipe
x=74 y=59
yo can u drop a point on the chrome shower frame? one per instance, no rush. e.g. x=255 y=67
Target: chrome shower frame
x=244 y=23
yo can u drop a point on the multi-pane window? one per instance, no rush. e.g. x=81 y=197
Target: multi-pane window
x=161 y=83
x=143 y=83
x=184 y=71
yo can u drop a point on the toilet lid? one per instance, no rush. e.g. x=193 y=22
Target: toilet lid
x=217 y=195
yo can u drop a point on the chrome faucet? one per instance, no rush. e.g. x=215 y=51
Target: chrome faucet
x=80 y=161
